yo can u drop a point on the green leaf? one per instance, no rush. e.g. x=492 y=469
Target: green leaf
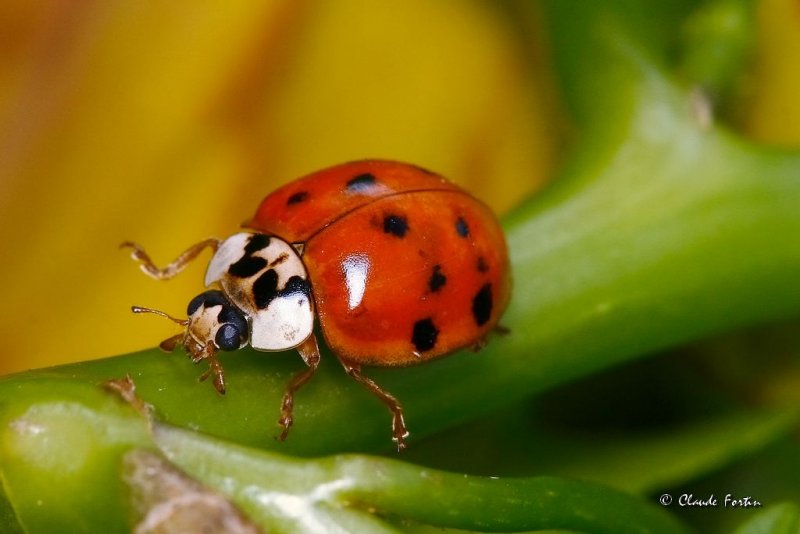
x=777 y=519
x=661 y=460
x=718 y=41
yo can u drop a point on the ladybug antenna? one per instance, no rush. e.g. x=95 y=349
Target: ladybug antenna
x=141 y=309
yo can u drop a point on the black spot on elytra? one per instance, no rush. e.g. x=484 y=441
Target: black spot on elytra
x=300 y=196
x=461 y=227
x=482 y=266
x=361 y=183
x=437 y=279
x=424 y=335
x=265 y=288
x=256 y=243
x=396 y=225
x=482 y=304
x=247 y=266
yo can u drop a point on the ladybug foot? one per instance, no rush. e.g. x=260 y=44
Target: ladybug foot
x=399 y=431
x=215 y=368
x=478 y=345
x=286 y=420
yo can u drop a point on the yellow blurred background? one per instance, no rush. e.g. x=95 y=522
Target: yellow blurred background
x=167 y=122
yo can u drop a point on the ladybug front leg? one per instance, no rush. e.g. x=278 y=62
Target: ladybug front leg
x=176 y=266
x=209 y=352
x=169 y=344
x=309 y=351
x=399 y=430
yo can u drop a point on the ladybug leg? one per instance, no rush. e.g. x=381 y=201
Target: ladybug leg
x=309 y=351
x=169 y=344
x=176 y=266
x=399 y=430
x=501 y=330
x=478 y=345
x=498 y=329
x=209 y=352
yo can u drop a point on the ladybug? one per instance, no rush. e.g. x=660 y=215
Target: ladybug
x=399 y=265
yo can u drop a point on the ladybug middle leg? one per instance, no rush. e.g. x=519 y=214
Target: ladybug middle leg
x=309 y=351
x=173 y=268
x=399 y=430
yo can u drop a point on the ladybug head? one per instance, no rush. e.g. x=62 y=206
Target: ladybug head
x=213 y=319
x=213 y=324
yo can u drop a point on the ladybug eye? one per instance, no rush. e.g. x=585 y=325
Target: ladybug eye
x=228 y=337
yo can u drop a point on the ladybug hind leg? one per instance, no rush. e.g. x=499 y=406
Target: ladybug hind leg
x=309 y=351
x=501 y=330
x=173 y=268
x=498 y=329
x=399 y=429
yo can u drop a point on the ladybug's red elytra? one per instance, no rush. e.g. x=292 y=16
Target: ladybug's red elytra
x=399 y=265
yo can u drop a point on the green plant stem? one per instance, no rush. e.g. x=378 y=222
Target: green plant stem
x=65 y=452
x=306 y=492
